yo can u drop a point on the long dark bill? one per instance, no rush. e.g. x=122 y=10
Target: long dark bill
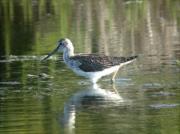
x=50 y=54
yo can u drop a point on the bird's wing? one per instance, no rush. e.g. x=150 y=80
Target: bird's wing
x=93 y=62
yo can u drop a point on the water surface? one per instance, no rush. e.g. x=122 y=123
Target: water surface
x=47 y=97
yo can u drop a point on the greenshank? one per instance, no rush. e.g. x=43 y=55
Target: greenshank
x=92 y=66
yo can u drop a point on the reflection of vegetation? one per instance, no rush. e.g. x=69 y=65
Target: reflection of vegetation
x=135 y=14
x=47 y=21
x=178 y=62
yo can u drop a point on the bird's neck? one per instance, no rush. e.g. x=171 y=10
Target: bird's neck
x=67 y=54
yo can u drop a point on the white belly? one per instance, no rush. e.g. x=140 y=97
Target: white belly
x=94 y=76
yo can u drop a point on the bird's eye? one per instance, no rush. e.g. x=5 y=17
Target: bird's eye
x=60 y=43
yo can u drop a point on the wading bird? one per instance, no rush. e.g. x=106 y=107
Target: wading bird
x=92 y=66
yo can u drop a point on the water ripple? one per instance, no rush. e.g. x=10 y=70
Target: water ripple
x=160 y=106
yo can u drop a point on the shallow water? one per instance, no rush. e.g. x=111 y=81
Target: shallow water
x=47 y=97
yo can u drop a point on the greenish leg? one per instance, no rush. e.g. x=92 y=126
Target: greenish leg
x=115 y=90
x=114 y=75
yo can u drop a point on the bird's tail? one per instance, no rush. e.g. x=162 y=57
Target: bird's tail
x=129 y=60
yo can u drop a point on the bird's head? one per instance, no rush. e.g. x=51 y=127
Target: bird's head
x=64 y=45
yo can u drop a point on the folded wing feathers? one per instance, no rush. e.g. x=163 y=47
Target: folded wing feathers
x=93 y=62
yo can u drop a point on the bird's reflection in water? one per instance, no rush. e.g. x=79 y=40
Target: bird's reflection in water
x=89 y=98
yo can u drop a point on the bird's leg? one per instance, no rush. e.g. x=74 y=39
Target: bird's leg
x=115 y=73
x=115 y=90
x=113 y=77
